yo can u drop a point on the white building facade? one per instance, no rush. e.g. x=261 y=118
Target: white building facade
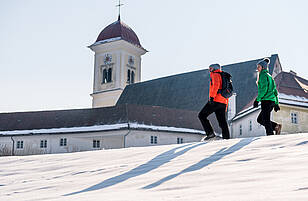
x=63 y=140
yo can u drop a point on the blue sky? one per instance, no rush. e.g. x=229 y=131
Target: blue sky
x=45 y=63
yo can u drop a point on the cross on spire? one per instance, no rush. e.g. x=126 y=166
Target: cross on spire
x=119 y=5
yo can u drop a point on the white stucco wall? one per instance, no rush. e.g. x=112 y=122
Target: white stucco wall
x=75 y=142
x=284 y=117
x=257 y=129
x=6 y=145
x=143 y=138
x=84 y=141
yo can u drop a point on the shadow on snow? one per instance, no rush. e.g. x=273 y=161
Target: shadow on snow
x=205 y=162
x=142 y=169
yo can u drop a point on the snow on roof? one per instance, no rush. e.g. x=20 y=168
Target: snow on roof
x=246 y=112
x=65 y=130
x=106 y=41
x=283 y=99
x=293 y=100
x=100 y=128
x=304 y=86
x=165 y=128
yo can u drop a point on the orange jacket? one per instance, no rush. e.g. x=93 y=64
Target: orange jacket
x=215 y=84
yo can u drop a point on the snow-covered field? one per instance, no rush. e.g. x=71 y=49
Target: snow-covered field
x=263 y=168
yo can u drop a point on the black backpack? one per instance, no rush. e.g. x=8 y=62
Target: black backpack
x=227 y=89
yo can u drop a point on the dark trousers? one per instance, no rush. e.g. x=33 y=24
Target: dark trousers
x=220 y=111
x=264 y=117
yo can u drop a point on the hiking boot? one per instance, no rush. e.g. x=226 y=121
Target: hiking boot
x=278 y=129
x=209 y=136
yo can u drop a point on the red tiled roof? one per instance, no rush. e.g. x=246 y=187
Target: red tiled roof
x=291 y=84
x=119 y=29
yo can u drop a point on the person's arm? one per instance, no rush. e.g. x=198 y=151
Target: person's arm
x=262 y=86
x=276 y=94
x=216 y=79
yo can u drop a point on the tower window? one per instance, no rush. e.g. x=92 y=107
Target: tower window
x=250 y=125
x=104 y=76
x=133 y=77
x=128 y=76
x=107 y=75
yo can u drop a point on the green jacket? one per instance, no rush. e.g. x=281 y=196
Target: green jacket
x=267 y=87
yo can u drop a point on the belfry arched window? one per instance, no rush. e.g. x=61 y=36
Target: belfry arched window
x=133 y=77
x=130 y=76
x=104 y=76
x=107 y=75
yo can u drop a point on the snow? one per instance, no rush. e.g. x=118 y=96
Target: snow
x=246 y=112
x=165 y=128
x=66 y=130
x=106 y=41
x=283 y=98
x=293 y=100
x=264 y=168
x=99 y=128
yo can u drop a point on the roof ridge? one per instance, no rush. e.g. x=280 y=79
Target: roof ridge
x=167 y=76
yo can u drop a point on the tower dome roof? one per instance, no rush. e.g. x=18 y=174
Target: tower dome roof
x=119 y=29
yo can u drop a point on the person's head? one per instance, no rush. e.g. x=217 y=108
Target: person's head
x=263 y=64
x=214 y=67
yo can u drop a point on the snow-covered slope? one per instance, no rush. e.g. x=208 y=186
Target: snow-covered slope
x=264 y=168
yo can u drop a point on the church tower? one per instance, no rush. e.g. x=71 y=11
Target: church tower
x=117 y=63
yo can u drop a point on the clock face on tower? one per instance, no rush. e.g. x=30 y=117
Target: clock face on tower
x=107 y=58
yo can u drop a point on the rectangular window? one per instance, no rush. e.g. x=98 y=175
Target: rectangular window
x=20 y=144
x=250 y=125
x=153 y=139
x=294 y=118
x=179 y=140
x=96 y=144
x=241 y=130
x=63 y=142
x=43 y=144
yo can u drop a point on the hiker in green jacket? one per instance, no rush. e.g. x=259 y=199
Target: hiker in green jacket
x=268 y=96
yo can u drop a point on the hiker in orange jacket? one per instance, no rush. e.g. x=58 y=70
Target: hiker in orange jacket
x=217 y=103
